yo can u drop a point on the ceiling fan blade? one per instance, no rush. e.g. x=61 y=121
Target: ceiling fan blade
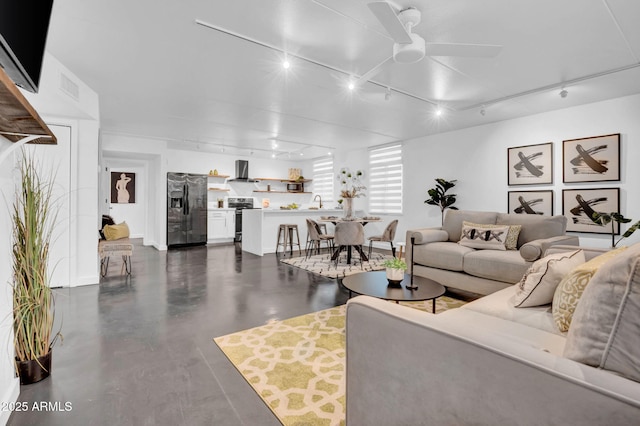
x=462 y=50
x=388 y=17
x=372 y=72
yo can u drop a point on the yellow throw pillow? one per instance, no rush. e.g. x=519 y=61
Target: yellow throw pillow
x=570 y=289
x=511 y=243
x=115 y=232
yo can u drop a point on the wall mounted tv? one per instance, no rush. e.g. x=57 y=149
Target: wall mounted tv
x=23 y=35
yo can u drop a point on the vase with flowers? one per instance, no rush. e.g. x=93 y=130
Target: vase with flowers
x=351 y=187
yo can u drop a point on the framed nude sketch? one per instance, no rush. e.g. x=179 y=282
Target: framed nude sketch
x=595 y=159
x=123 y=188
x=578 y=205
x=530 y=202
x=530 y=165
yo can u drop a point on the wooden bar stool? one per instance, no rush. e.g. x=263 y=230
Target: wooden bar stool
x=285 y=237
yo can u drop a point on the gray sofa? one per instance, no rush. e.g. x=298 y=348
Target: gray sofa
x=490 y=363
x=437 y=254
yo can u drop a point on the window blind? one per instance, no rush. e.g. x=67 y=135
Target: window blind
x=385 y=179
x=323 y=178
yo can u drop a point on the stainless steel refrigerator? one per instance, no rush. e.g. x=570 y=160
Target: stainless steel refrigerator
x=186 y=209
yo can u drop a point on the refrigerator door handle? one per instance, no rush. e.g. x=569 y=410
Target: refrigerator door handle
x=186 y=199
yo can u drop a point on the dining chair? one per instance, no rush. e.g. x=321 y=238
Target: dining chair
x=349 y=235
x=387 y=236
x=315 y=237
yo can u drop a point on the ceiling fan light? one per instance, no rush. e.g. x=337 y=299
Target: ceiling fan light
x=409 y=53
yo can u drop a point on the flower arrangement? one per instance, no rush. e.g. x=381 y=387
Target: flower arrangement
x=351 y=182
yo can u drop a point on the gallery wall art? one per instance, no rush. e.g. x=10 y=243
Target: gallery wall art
x=530 y=202
x=530 y=165
x=578 y=205
x=594 y=159
x=123 y=188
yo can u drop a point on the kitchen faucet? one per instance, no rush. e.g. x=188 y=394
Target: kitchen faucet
x=318 y=196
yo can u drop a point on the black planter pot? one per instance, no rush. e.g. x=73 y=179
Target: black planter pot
x=33 y=371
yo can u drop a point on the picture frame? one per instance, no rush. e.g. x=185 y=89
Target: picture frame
x=578 y=203
x=593 y=159
x=123 y=188
x=530 y=164
x=530 y=202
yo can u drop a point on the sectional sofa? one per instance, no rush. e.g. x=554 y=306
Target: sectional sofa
x=490 y=363
x=437 y=254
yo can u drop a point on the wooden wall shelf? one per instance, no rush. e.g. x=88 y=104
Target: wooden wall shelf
x=218 y=189
x=218 y=176
x=18 y=118
x=284 y=180
x=281 y=192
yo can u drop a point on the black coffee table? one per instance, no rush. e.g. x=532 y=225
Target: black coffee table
x=375 y=284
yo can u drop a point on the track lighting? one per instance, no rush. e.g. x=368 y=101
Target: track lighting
x=352 y=86
x=483 y=111
x=387 y=94
x=439 y=111
x=286 y=64
x=563 y=93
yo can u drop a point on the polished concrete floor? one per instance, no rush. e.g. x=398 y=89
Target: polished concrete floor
x=138 y=350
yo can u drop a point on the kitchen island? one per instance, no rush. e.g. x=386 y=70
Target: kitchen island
x=260 y=227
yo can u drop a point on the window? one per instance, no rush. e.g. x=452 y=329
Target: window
x=323 y=179
x=385 y=179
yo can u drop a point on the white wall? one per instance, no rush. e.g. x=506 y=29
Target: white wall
x=477 y=157
x=9 y=385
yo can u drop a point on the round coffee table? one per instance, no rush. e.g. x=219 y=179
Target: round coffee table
x=375 y=284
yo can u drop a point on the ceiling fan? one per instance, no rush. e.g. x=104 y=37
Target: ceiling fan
x=409 y=47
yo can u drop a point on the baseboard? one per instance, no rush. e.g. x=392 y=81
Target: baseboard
x=160 y=247
x=88 y=280
x=136 y=236
x=10 y=395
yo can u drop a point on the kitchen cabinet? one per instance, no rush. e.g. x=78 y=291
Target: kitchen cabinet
x=221 y=225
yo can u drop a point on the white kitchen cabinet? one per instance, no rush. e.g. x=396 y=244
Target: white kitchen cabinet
x=221 y=225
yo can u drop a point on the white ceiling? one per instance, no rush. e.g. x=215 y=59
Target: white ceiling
x=160 y=74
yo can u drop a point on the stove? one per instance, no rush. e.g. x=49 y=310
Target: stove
x=239 y=203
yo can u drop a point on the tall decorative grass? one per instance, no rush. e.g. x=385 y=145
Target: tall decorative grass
x=33 y=306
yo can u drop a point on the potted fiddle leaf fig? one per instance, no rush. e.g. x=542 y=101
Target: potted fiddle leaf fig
x=613 y=217
x=33 y=216
x=439 y=196
x=395 y=270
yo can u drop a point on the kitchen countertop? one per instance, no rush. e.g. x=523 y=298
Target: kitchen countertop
x=304 y=210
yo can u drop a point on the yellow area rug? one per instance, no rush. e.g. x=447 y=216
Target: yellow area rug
x=297 y=365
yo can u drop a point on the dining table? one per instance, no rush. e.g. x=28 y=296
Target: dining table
x=337 y=219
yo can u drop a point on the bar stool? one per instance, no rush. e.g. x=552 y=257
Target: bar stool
x=286 y=230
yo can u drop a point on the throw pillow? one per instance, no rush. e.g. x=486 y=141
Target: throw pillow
x=115 y=232
x=512 y=236
x=570 y=289
x=481 y=237
x=605 y=330
x=539 y=283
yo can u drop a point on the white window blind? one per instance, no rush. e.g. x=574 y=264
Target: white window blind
x=385 y=179
x=323 y=178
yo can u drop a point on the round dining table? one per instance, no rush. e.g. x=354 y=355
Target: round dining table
x=335 y=220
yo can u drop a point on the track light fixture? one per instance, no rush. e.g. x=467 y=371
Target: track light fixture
x=483 y=111
x=563 y=93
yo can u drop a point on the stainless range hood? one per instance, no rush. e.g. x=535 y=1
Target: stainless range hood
x=242 y=172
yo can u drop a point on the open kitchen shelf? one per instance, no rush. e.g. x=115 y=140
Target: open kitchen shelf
x=281 y=192
x=18 y=118
x=284 y=180
x=219 y=189
x=218 y=176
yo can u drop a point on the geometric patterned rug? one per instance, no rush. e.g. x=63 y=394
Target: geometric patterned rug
x=297 y=365
x=321 y=264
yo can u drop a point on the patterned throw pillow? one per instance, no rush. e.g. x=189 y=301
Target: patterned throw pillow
x=481 y=237
x=539 y=283
x=512 y=236
x=570 y=289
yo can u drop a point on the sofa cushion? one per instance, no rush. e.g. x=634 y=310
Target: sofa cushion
x=570 y=289
x=503 y=266
x=500 y=305
x=605 y=330
x=454 y=218
x=534 y=227
x=539 y=283
x=511 y=242
x=441 y=255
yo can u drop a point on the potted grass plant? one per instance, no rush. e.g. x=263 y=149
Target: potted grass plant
x=395 y=270
x=33 y=217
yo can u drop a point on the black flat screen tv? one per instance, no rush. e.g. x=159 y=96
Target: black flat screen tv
x=23 y=35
